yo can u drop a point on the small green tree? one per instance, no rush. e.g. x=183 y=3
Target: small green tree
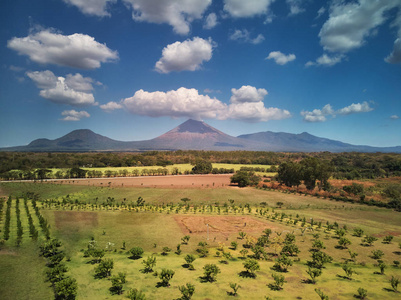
x=278 y=282
x=352 y=255
x=187 y=291
x=290 y=250
x=348 y=271
x=210 y=272
x=322 y=295
x=343 y=243
x=149 y=264
x=117 y=282
x=362 y=293
x=387 y=239
x=358 y=232
x=66 y=289
x=394 y=281
x=313 y=274
x=377 y=254
x=241 y=235
x=282 y=263
x=166 y=275
x=368 y=240
x=104 y=268
x=165 y=251
x=234 y=245
x=134 y=294
x=382 y=266
x=185 y=239
x=136 y=252
x=244 y=252
x=234 y=287
x=251 y=266
x=189 y=259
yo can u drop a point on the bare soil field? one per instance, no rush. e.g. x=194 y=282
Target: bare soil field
x=178 y=181
x=222 y=226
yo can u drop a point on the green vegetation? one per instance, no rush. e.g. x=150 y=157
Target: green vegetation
x=81 y=231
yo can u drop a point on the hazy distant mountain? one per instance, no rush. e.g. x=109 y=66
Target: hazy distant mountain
x=197 y=135
x=305 y=142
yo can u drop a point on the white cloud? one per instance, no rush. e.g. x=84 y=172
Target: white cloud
x=355 y=108
x=350 y=23
x=92 y=7
x=320 y=115
x=295 y=7
x=189 y=103
x=76 y=50
x=255 y=112
x=211 y=21
x=177 y=13
x=245 y=36
x=320 y=12
x=248 y=8
x=79 y=83
x=247 y=93
x=185 y=56
x=43 y=79
x=73 y=115
x=70 y=91
x=394 y=117
x=179 y=103
x=395 y=56
x=326 y=60
x=281 y=58
x=110 y=106
x=15 y=68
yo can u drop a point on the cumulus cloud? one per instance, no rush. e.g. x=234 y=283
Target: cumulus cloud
x=92 y=7
x=177 y=13
x=247 y=93
x=320 y=12
x=179 y=103
x=320 y=115
x=249 y=8
x=326 y=60
x=211 y=21
x=295 y=7
x=71 y=91
x=394 y=117
x=73 y=115
x=185 y=56
x=76 y=50
x=281 y=58
x=110 y=106
x=246 y=104
x=245 y=36
x=350 y=23
x=255 y=112
x=355 y=108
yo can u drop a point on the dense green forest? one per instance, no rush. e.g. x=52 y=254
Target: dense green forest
x=344 y=165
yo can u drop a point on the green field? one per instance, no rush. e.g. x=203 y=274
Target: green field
x=88 y=213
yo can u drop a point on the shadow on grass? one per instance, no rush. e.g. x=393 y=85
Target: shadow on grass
x=246 y=274
x=397 y=252
x=344 y=277
x=308 y=281
x=390 y=290
x=204 y=279
x=116 y=291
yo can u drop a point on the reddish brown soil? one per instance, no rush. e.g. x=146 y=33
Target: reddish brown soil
x=220 y=225
x=187 y=181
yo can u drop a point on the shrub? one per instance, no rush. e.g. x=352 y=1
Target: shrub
x=362 y=293
x=278 y=282
x=149 y=264
x=135 y=294
x=104 y=268
x=394 y=281
x=136 y=252
x=251 y=265
x=377 y=254
x=210 y=272
x=187 y=291
x=66 y=288
x=166 y=275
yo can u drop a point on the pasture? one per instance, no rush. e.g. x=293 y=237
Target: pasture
x=109 y=217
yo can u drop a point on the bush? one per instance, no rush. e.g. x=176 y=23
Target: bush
x=136 y=252
x=104 y=268
x=135 y=294
x=66 y=289
x=210 y=272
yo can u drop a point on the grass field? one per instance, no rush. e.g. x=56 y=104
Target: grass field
x=155 y=226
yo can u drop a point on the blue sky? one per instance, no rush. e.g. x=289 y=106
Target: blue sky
x=134 y=69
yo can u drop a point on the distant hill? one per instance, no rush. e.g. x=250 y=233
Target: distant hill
x=305 y=142
x=197 y=135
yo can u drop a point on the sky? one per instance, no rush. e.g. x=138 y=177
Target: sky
x=133 y=69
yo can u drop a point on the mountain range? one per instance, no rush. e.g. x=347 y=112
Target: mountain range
x=197 y=135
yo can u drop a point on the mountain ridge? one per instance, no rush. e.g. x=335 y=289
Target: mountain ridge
x=197 y=135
